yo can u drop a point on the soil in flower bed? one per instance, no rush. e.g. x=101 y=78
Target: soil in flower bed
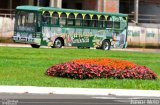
x=90 y=68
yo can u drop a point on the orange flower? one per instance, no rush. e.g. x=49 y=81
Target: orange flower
x=110 y=62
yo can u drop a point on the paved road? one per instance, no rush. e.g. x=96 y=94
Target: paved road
x=55 y=99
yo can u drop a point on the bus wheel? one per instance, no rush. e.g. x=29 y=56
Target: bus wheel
x=35 y=46
x=58 y=43
x=80 y=47
x=106 y=45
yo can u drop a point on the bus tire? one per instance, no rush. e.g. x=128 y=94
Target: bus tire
x=35 y=46
x=106 y=45
x=79 y=47
x=58 y=43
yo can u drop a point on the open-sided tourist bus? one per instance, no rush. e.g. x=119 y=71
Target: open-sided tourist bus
x=57 y=27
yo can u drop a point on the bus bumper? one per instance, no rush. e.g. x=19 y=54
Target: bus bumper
x=26 y=40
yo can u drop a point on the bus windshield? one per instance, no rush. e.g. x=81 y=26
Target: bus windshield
x=26 y=21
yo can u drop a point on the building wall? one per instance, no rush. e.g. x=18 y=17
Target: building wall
x=112 y=6
x=100 y=5
x=80 y=4
x=12 y=4
x=90 y=4
x=108 y=5
x=4 y=4
x=143 y=36
x=146 y=6
x=70 y=4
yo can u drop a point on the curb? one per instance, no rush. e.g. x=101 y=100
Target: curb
x=78 y=91
x=14 y=45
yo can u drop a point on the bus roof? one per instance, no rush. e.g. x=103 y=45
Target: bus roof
x=36 y=8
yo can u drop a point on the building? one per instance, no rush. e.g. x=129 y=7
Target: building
x=72 y=4
x=137 y=9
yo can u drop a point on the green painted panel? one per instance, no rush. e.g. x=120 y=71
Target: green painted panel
x=81 y=42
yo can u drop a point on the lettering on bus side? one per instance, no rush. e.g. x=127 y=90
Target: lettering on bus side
x=82 y=36
x=81 y=40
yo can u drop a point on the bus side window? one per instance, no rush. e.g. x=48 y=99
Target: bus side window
x=79 y=20
x=55 y=19
x=71 y=20
x=109 y=22
x=102 y=22
x=46 y=18
x=63 y=19
x=87 y=21
x=95 y=21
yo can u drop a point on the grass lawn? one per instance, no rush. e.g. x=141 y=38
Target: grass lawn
x=26 y=67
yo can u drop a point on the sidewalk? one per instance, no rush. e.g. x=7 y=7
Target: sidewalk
x=78 y=91
x=14 y=45
x=126 y=49
x=139 y=50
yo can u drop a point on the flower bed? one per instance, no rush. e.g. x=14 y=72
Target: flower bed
x=101 y=68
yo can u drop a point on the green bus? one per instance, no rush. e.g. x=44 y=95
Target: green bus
x=57 y=27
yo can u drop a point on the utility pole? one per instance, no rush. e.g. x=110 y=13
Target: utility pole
x=136 y=10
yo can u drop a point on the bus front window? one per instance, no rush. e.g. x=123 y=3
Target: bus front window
x=26 y=21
